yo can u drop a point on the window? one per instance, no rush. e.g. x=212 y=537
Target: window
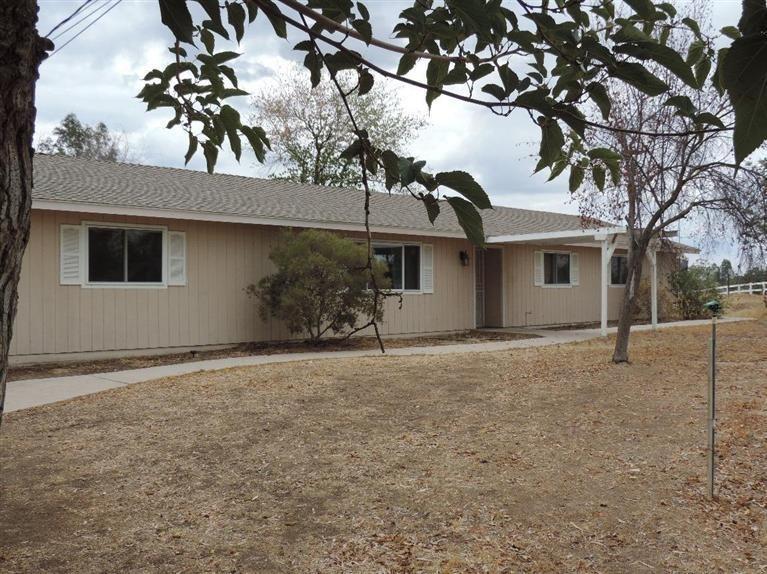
x=556 y=268
x=404 y=263
x=618 y=270
x=125 y=255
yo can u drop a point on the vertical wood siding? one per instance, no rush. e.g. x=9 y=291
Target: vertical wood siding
x=527 y=304
x=213 y=308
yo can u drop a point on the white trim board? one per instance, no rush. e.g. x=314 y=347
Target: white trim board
x=49 y=205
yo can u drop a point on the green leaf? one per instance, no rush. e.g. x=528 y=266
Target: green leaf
x=663 y=55
x=695 y=52
x=235 y=14
x=668 y=9
x=638 y=76
x=406 y=63
x=598 y=94
x=436 y=71
x=604 y=153
x=464 y=184
x=683 y=104
x=366 y=82
x=231 y=120
x=222 y=57
x=707 y=118
x=577 y=174
x=469 y=219
x=210 y=151
x=494 y=90
x=192 y=149
x=364 y=29
x=731 y=32
x=175 y=15
x=552 y=142
x=213 y=10
x=745 y=77
x=256 y=142
x=363 y=10
x=432 y=207
x=598 y=175
x=644 y=8
x=692 y=25
x=278 y=24
x=208 y=40
x=702 y=70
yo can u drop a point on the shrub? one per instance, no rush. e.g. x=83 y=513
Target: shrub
x=692 y=288
x=320 y=285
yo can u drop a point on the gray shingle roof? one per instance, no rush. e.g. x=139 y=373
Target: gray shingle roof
x=102 y=183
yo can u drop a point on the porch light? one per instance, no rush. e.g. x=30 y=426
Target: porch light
x=464 y=256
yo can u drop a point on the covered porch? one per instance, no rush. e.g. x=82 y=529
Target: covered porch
x=580 y=260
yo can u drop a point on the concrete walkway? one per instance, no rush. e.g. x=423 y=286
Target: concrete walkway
x=34 y=392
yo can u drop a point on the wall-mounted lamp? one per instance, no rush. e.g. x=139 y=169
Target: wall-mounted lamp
x=464 y=255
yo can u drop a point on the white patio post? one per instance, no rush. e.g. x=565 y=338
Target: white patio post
x=653 y=254
x=603 y=280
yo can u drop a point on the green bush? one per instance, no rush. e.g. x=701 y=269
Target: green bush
x=692 y=289
x=320 y=285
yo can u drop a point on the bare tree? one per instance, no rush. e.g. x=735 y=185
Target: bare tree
x=310 y=128
x=660 y=179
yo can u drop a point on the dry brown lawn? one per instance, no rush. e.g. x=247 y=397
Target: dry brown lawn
x=546 y=460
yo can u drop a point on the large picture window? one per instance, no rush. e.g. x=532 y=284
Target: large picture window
x=125 y=255
x=618 y=270
x=556 y=268
x=404 y=265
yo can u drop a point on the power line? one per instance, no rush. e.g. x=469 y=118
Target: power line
x=73 y=38
x=68 y=18
x=86 y=15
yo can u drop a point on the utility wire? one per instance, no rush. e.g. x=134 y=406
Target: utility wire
x=68 y=18
x=95 y=8
x=73 y=38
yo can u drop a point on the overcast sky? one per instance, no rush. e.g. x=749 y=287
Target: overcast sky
x=98 y=75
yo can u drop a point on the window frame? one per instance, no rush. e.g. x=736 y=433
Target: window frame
x=87 y=283
x=402 y=245
x=569 y=269
x=624 y=256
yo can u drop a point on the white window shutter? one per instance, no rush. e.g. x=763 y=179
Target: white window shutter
x=176 y=258
x=70 y=255
x=538 y=275
x=575 y=272
x=427 y=268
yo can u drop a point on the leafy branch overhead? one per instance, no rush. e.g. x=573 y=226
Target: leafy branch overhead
x=551 y=61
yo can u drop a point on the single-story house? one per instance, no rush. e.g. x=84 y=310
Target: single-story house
x=135 y=259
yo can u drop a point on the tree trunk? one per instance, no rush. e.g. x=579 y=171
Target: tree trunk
x=637 y=254
x=21 y=51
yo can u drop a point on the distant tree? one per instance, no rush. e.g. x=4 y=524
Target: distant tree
x=310 y=128
x=725 y=271
x=320 y=285
x=74 y=138
x=692 y=288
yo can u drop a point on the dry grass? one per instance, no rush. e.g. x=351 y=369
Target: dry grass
x=544 y=460
x=46 y=370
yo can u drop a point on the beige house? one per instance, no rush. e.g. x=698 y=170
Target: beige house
x=131 y=259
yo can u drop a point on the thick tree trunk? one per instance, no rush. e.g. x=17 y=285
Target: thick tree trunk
x=626 y=318
x=21 y=51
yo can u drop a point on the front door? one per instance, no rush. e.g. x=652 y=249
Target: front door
x=489 y=287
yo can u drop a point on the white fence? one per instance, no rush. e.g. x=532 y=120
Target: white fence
x=750 y=288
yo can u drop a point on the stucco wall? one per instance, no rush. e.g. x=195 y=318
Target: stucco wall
x=212 y=309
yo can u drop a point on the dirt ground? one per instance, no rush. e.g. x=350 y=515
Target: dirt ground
x=45 y=370
x=535 y=460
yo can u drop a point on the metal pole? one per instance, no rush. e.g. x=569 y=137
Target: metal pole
x=711 y=407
